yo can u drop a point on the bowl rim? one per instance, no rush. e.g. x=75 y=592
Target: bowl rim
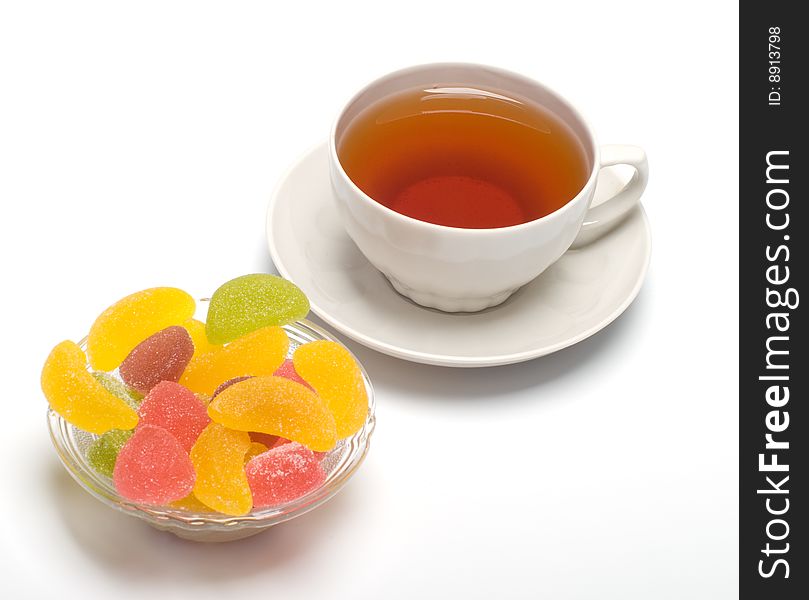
x=354 y=450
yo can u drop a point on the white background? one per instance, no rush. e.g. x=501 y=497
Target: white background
x=139 y=143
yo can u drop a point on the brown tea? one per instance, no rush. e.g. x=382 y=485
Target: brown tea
x=474 y=158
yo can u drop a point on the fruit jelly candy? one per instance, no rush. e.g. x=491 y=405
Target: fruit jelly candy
x=177 y=410
x=163 y=356
x=153 y=468
x=250 y=302
x=218 y=457
x=257 y=353
x=254 y=450
x=264 y=438
x=336 y=377
x=283 y=441
x=283 y=474
x=103 y=452
x=78 y=396
x=277 y=406
x=196 y=329
x=287 y=369
x=131 y=320
x=117 y=388
x=228 y=383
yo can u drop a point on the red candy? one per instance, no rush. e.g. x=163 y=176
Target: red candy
x=287 y=369
x=162 y=356
x=153 y=468
x=282 y=441
x=177 y=410
x=283 y=474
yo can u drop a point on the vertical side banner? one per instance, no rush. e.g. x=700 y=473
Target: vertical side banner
x=774 y=362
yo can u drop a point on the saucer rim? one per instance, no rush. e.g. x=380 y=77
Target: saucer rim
x=447 y=360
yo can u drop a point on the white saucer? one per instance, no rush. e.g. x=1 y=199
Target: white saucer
x=580 y=294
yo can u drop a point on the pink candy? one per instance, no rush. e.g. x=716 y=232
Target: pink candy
x=283 y=474
x=287 y=369
x=177 y=410
x=153 y=468
x=160 y=357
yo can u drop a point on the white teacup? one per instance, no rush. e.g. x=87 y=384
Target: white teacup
x=456 y=269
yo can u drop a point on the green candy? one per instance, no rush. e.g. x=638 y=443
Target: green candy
x=251 y=302
x=103 y=453
x=118 y=388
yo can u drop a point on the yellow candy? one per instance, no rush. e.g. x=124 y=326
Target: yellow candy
x=332 y=371
x=258 y=353
x=196 y=329
x=277 y=406
x=131 y=320
x=255 y=449
x=218 y=458
x=76 y=395
x=190 y=502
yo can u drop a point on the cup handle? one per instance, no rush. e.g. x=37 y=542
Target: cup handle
x=600 y=219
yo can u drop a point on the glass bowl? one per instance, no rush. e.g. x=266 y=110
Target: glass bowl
x=339 y=464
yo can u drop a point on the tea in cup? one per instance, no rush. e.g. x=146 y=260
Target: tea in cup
x=461 y=183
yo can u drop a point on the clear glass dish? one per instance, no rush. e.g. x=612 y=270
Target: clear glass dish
x=340 y=464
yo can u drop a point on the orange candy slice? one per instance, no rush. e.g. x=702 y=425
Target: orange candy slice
x=332 y=371
x=277 y=406
x=78 y=396
x=131 y=320
x=218 y=459
x=257 y=353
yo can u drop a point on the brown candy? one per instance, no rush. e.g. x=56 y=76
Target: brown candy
x=162 y=356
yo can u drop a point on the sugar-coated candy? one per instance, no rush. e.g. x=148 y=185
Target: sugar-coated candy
x=196 y=329
x=208 y=416
x=218 y=457
x=257 y=353
x=254 y=450
x=177 y=410
x=103 y=452
x=153 y=468
x=336 y=377
x=78 y=396
x=227 y=384
x=131 y=320
x=250 y=302
x=283 y=474
x=163 y=356
x=117 y=388
x=277 y=406
x=287 y=369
